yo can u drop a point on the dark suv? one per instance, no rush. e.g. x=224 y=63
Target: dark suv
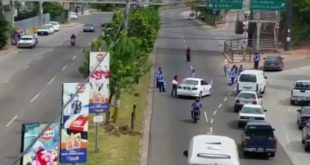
x=306 y=136
x=258 y=137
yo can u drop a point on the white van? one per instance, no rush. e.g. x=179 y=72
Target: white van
x=211 y=150
x=252 y=80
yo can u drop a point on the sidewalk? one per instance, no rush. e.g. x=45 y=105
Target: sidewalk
x=8 y=50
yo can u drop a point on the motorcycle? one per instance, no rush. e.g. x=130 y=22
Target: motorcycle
x=72 y=42
x=195 y=116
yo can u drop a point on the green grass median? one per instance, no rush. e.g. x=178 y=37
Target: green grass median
x=122 y=149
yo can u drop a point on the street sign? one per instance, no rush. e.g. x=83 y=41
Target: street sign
x=279 y=5
x=225 y=4
x=98 y=119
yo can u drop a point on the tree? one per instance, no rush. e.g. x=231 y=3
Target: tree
x=4 y=31
x=54 y=8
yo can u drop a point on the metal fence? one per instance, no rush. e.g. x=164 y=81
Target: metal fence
x=30 y=25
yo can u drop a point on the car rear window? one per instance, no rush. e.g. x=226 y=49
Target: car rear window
x=302 y=85
x=259 y=131
x=190 y=82
x=26 y=38
x=273 y=58
x=247 y=78
x=252 y=110
x=247 y=95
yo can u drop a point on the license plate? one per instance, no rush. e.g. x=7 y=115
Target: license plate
x=260 y=149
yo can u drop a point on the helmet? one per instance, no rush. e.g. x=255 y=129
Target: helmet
x=197 y=99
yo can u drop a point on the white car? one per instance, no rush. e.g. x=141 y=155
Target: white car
x=55 y=25
x=246 y=97
x=300 y=92
x=26 y=41
x=252 y=80
x=73 y=15
x=251 y=112
x=51 y=27
x=195 y=87
x=44 y=30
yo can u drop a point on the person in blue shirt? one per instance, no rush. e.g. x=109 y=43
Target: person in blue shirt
x=194 y=75
x=232 y=75
x=157 y=74
x=256 y=59
x=160 y=80
x=196 y=107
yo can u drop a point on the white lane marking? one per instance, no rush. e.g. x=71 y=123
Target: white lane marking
x=38 y=58
x=214 y=113
x=50 y=82
x=185 y=46
x=183 y=37
x=211 y=121
x=184 y=41
x=11 y=121
x=5 y=81
x=210 y=130
x=229 y=93
x=73 y=58
x=26 y=67
x=206 y=116
x=64 y=68
x=35 y=97
x=225 y=99
x=220 y=106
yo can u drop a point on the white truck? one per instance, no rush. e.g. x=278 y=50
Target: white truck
x=300 y=92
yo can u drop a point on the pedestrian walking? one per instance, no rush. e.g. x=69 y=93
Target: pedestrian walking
x=256 y=59
x=160 y=80
x=175 y=83
x=240 y=69
x=193 y=73
x=232 y=75
x=157 y=74
x=226 y=66
x=188 y=54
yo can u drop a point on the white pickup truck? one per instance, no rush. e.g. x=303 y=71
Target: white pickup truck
x=300 y=92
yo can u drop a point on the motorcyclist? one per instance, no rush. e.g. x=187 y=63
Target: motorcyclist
x=196 y=107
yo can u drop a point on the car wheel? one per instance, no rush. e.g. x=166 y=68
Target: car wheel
x=302 y=141
x=292 y=102
x=239 y=124
x=300 y=127
x=306 y=148
x=272 y=154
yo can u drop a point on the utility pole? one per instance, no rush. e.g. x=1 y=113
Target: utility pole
x=13 y=13
x=288 y=29
x=127 y=11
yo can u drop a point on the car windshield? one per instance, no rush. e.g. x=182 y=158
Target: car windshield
x=26 y=39
x=252 y=110
x=273 y=58
x=247 y=95
x=247 y=78
x=190 y=82
x=259 y=132
x=54 y=23
x=302 y=85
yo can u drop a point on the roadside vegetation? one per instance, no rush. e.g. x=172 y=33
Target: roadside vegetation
x=130 y=64
x=4 y=31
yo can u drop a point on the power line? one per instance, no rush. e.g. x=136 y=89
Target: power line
x=115 y=40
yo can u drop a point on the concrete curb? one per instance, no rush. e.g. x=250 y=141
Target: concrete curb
x=144 y=144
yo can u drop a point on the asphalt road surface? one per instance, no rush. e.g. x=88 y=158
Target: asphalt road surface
x=32 y=90
x=171 y=125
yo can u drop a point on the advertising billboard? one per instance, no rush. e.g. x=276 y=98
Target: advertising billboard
x=74 y=123
x=99 y=69
x=45 y=149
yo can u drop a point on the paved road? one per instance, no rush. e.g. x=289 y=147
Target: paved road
x=171 y=125
x=32 y=91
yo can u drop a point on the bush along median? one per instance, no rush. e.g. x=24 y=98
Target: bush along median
x=130 y=63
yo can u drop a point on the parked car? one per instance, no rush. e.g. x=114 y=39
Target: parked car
x=195 y=87
x=212 y=149
x=56 y=25
x=306 y=136
x=252 y=80
x=89 y=28
x=251 y=112
x=258 y=137
x=27 y=41
x=273 y=62
x=51 y=27
x=73 y=15
x=303 y=116
x=246 y=97
x=44 y=30
x=300 y=92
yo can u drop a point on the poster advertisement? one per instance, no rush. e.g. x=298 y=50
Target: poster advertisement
x=45 y=150
x=73 y=148
x=99 y=69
